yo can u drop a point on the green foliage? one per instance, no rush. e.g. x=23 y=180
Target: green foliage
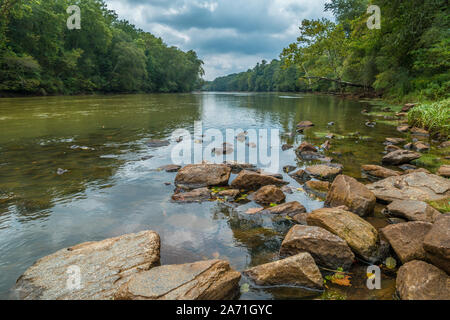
x=39 y=54
x=434 y=117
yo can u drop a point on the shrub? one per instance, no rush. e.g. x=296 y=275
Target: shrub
x=434 y=117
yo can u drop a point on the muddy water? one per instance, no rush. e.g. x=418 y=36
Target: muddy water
x=111 y=186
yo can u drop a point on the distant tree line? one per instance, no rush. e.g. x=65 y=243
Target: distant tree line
x=407 y=58
x=40 y=55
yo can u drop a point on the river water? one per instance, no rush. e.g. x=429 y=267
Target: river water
x=111 y=186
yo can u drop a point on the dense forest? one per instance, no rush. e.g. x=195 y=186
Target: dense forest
x=407 y=58
x=40 y=55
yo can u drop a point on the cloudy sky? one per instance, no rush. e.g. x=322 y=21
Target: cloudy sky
x=228 y=35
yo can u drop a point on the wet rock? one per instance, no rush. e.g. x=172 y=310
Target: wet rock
x=394 y=141
x=146 y=158
x=305 y=124
x=104 y=266
x=412 y=210
x=248 y=180
x=268 y=195
x=327 y=249
x=403 y=128
x=437 y=243
x=196 y=176
x=170 y=168
x=445 y=144
x=408 y=107
x=305 y=146
x=157 y=143
x=414 y=186
x=391 y=148
x=287 y=190
x=418 y=280
x=298 y=270
x=290 y=209
x=229 y=194
x=400 y=157
x=347 y=191
x=286 y=147
x=419 y=132
x=420 y=147
x=326 y=145
x=289 y=169
x=407 y=166
x=318 y=188
x=238 y=167
x=444 y=171
x=407 y=239
x=309 y=155
x=301 y=176
x=197 y=195
x=377 y=172
x=204 y=280
x=323 y=172
x=360 y=235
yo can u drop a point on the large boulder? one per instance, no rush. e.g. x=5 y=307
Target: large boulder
x=437 y=243
x=197 y=195
x=360 y=235
x=407 y=239
x=327 y=249
x=195 y=176
x=413 y=186
x=400 y=157
x=347 y=191
x=290 y=209
x=249 y=180
x=324 y=172
x=204 y=280
x=374 y=172
x=268 y=195
x=103 y=267
x=418 y=280
x=298 y=270
x=412 y=210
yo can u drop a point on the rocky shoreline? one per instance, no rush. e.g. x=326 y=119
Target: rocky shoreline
x=332 y=238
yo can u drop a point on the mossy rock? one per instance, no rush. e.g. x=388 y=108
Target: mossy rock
x=442 y=206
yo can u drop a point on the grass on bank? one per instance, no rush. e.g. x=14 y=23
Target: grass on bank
x=434 y=117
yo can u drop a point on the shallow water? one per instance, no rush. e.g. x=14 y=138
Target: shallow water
x=111 y=187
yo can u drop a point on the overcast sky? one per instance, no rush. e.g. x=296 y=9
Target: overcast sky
x=229 y=35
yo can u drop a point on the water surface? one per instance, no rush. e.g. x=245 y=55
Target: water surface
x=112 y=188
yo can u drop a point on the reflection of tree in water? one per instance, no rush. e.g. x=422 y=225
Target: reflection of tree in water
x=261 y=235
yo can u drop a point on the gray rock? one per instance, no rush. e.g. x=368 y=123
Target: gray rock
x=103 y=267
x=413 y=210
x=195 y=176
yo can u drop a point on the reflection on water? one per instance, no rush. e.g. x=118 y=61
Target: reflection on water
x=76 y=169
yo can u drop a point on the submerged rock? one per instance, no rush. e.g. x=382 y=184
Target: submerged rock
x=157 y=143
x=324 y=172
x=407 y=239
x=301 y=176
x=289 y=209
x=414 y=186
x=196 y=195
x=413 y=210
x=204 y=280
x=400 y=157
x=268 y=195
x=418 y=280
x=437 y=243
x=349 y=192
x=249 y=180
x=377 y=172
x=103 y=266
x=196 y=176
x=311 y=155
x=238 y=167
x=327 y=249
x=360 y=235
x=298 y=270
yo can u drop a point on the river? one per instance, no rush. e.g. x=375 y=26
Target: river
x=111 y=186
